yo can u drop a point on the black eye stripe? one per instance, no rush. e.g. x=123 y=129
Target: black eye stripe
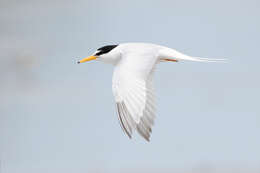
x=105 y=49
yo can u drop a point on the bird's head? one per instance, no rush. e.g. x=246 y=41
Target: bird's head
x=107 y=54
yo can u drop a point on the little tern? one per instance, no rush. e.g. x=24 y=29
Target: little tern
x=132 y=84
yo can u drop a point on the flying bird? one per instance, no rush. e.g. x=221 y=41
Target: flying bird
x=132 y=83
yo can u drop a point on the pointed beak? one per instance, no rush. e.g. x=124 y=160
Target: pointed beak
x=87 y=59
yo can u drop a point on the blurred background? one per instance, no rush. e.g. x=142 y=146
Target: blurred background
x=58 y=116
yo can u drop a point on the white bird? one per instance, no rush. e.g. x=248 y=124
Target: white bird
x=134 y=65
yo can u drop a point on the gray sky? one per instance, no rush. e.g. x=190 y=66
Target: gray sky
x=56 y=115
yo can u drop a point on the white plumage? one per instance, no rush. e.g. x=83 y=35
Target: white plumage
x=133 y=81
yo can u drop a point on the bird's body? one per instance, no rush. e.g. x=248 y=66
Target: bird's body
x=133 y=81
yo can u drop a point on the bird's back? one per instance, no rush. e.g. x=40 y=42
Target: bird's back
x=140 y=48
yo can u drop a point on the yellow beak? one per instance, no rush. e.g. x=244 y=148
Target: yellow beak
x=87 y=59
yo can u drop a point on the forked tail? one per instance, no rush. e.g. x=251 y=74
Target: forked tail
x=168 y=54
x=209 y=59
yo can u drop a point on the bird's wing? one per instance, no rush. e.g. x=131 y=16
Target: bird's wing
x=134 y=94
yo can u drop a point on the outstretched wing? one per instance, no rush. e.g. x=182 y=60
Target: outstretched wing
x=134 y=94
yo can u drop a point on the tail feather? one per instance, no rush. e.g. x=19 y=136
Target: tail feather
x=210 y=59
x=174 y=55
